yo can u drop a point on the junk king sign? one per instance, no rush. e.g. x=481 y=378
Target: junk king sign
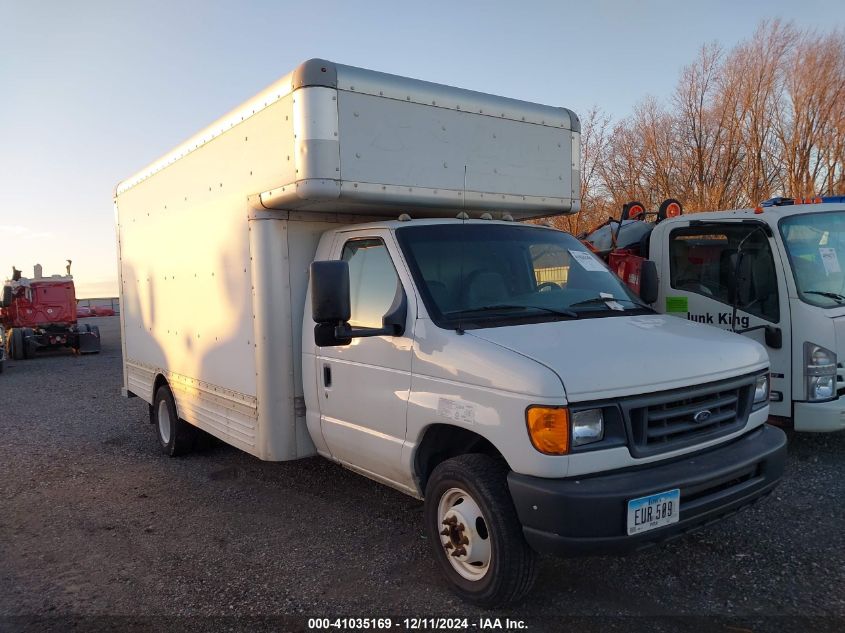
x=720 y=318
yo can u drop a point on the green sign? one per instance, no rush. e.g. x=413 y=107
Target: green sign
x=677 y=304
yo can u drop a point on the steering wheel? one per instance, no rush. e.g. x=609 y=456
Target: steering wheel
x=547 y=286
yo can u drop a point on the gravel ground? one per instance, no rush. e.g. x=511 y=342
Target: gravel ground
x=99 y=530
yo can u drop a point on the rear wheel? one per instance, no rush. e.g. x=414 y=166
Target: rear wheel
x=96 y=330
x=476 y=535
x=29 y=346
x=16 y=349
x=175 y=436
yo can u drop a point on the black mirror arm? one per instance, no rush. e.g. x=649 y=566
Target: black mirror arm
x=393 y=323
x=344 y=330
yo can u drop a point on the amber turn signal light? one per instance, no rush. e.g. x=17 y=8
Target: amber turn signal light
x=548 y=428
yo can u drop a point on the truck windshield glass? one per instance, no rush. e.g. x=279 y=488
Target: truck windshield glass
x=815 y=243
x=486 y=275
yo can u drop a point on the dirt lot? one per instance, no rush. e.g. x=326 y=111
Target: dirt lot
x=99 y=530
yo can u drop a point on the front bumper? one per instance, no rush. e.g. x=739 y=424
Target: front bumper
x=589 y=514
x=819 y=417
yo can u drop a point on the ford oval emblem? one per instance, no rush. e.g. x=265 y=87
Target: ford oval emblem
x=702 y=416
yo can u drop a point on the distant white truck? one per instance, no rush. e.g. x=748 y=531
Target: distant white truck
x=775 y=274
x=494 y=369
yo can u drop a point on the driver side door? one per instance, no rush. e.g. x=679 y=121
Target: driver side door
x=364 y=387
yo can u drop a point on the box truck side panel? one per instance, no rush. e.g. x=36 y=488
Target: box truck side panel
x=186 y=279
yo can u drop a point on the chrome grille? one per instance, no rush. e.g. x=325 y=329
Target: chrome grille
x=675 y=419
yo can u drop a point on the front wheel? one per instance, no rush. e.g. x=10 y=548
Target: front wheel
x=476 y=535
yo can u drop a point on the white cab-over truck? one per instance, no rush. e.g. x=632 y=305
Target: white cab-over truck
x=775 y=274
x=496 y=370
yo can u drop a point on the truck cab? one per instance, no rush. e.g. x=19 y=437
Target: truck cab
x=438 y=337
x=781 y=266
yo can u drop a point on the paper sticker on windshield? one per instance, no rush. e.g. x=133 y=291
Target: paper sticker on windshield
x=830 y=261
x=588 y=262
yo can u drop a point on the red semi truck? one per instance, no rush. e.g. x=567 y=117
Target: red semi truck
x=40 y=313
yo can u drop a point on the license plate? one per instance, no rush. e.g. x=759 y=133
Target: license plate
x=654 y=511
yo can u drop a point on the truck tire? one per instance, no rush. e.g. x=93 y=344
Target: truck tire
x=29 y=347
x=468 y=510
x=96 y=330
x=16 y=344
x=175 y=437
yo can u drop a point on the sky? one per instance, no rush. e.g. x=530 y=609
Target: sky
x=91 y=91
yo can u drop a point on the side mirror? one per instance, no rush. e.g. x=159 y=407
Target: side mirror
x=648 y=282
x=330 y=292
x=6 y=301
x=331 y=307
x=774 y=337
x=330 y=304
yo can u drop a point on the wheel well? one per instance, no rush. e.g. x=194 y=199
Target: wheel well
x=159 y=381
x=444 y=441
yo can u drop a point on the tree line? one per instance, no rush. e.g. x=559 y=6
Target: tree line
x=764 y=118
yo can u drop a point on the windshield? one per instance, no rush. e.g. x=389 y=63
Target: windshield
x=815 y=243
x=473 y=275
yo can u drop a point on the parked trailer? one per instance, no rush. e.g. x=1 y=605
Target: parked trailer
x=40 y=314
x=294 y=281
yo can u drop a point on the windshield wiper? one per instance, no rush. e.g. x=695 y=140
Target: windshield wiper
x=830 y=295
x=507 y=306
x=586 y=302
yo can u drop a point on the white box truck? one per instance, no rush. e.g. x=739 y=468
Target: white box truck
x=772 y=273
x=496 y=370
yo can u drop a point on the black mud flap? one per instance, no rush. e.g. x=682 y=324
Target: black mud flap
x=89 y=341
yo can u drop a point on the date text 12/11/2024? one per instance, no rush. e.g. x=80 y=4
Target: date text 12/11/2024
x=417 y=624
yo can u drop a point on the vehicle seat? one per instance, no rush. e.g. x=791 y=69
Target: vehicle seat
x=727 y=269
x=485 y=287
x=679 y=256
x=765 y=283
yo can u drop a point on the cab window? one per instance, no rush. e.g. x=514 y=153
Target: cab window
x=703 y=260
x=373 y=281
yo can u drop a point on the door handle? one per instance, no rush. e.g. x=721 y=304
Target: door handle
x=327 y=376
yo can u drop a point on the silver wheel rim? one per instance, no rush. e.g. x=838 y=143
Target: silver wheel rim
x=465 y=534
x=164 y=422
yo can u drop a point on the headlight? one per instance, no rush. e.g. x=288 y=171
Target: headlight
x=761 y=389
x=587 y=427
x=819 y=372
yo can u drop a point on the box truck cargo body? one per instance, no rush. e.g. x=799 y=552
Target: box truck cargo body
x=294 y=280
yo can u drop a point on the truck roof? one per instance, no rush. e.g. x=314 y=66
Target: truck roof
x=770 y=214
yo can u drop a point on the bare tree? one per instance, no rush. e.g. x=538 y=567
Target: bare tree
x=815 y=85
x=595 y=128
x=757 y=69
x=765 y=118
